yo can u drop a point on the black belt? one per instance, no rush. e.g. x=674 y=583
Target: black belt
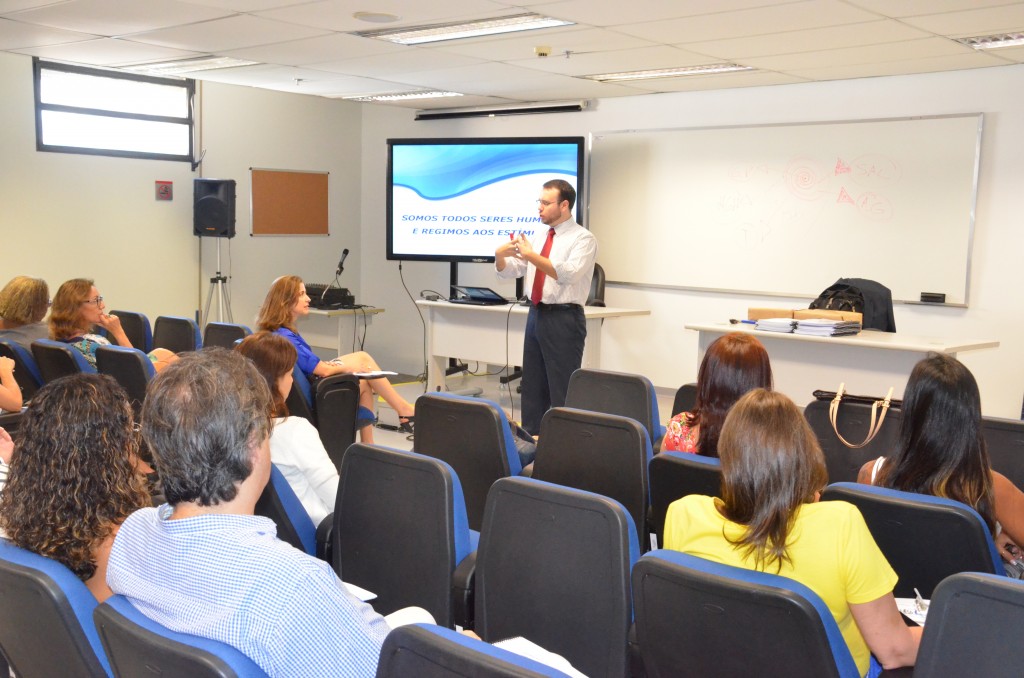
x=558 y=307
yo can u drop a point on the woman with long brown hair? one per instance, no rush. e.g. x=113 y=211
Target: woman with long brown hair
x=286 y=302
x=73 y=477
x=733 y=365
x=941 y=450
x=769 y=519
x=295 y=445
x=23 y=305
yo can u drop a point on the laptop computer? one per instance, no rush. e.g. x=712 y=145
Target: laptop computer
x=477 y=296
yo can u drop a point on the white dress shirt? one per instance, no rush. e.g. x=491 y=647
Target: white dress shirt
x=573 y=253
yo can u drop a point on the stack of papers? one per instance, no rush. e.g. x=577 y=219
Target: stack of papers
x=784 y=325
x=820 y=327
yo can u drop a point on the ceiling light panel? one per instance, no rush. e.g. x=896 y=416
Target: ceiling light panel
x=418 y=35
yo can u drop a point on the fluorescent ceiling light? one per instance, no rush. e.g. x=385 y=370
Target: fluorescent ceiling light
x=667 y=72
x=179 y=66
x=404 y=96
x=993 y=41
x=418 y=35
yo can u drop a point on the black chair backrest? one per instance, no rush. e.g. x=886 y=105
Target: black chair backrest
x=467 y=434
x=394 y=529
x=27 y=372
x=553 y=566
x=40 y=632
x=137 y=328
x=10 y=421
x=673 y=475
x=130 y=367
x=224 y=334
x=686 y=399
x=337 y=407
x=627 y=395
x=924 y=538
x=300 y=400
x=56 y=360
x=600 y=453
x=137 y=648
x=854 y=419
x=176 y=334
x=972 y=627
x=699 y=618
x=596 y=295
x=1004 y=439
x=434 y=652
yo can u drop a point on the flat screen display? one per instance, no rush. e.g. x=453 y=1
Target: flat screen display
x=457 y=199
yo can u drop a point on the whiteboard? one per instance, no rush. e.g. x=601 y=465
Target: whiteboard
x=787 y=209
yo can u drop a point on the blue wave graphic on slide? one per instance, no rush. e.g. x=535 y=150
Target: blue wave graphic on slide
x=443 y=172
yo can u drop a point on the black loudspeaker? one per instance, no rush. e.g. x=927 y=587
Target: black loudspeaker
x=213 y=208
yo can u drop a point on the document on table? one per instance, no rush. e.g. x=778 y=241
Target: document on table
x=375 y=375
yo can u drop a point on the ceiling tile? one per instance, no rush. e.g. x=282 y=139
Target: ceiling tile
x=973 y=21
x=14 y=35
x=233 y=32
x=336 y=15
x=519 y=46
x=118 y=17
x=809 y=40
x=611 y=13
x=108 y=52
x=760 y=21
x=869 y=54
x=323 y=48
x=398 y=63
x=905 y=8
x=645 y=58
x=697 y=83
x=931 y=65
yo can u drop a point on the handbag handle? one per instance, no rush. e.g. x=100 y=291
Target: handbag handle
x=876 y=418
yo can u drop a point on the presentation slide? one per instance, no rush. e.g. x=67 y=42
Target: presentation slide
x=460 y=200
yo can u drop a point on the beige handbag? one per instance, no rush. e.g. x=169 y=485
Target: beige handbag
x=878 y=411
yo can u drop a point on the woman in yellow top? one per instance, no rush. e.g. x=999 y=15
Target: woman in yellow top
x=769 y=519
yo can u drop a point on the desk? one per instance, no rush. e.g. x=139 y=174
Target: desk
x=869 y=362
x=341 y=313
x=494 y=334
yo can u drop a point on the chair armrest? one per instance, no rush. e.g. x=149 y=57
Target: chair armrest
x=462 y=592
x=323 y=537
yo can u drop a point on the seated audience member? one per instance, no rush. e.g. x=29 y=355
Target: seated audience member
x=6 y=451
x=769 y=519
x=23 y=304
x=73 y=478
x=286 y=302
x=734 y=364
x=295 y=445
x=10 y=392
x=77 y=308
x=203 y=563
x=941 y=450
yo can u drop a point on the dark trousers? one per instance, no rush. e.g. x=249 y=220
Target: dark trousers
x=552 y=351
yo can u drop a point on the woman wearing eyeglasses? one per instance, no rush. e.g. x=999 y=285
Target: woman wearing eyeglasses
x=77 y=309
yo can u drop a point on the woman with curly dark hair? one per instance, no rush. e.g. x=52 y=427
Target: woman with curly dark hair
x=73 y=477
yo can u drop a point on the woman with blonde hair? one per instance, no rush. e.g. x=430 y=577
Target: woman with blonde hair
x=286 y=302
x=23 y=304
x=73 y=477
x=769 y=519
x=77 y=308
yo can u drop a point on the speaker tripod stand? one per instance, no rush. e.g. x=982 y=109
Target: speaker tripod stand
x=218 y=284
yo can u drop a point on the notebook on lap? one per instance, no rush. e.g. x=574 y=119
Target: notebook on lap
x=477 y=296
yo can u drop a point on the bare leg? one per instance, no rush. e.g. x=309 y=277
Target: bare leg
x=380 y=386
x=366 y=400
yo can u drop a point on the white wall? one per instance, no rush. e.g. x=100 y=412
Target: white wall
x=658 y=346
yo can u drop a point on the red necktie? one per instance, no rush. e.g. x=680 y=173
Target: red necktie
x=539 y=275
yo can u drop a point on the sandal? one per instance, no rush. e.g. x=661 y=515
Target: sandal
x=406 y=424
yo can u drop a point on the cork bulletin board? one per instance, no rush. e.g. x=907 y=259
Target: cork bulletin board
x=286 y=202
